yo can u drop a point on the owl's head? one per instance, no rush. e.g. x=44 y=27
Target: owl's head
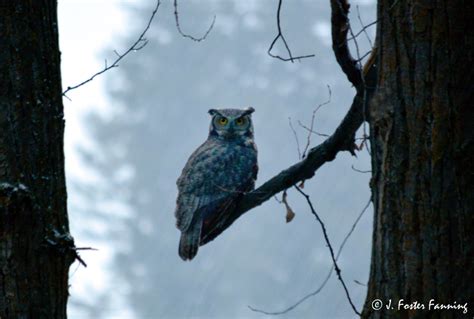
x=231 y=123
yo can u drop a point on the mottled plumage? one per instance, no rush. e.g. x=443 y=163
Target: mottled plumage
x=216 y=174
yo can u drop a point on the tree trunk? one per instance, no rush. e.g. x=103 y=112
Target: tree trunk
x=422 y=156
x=36 y=249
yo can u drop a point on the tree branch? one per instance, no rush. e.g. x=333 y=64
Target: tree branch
x=331 y=250
x=280 y=36
x=185 y=35
x=326 y=279
x=139 y=44
x=341 y=140
x=339 y=28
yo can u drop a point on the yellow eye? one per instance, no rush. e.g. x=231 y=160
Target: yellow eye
x=223 y=121
x=240 y=121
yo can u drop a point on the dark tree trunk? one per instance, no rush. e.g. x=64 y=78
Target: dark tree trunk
x=422 y=126
x=36 y=249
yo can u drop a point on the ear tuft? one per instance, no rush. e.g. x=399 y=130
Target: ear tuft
x=213 y=112
x=248 y=111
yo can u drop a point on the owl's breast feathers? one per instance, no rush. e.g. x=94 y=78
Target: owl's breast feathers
x=214 y=177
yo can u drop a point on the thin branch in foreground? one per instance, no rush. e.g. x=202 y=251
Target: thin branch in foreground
x=185 y=35
x=326 y=279
x=326 y=238
x=139 y=44
x=282 y=37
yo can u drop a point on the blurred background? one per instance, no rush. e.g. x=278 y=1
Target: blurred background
x=130 y=132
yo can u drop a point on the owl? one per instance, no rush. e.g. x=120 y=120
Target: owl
x=215 y=177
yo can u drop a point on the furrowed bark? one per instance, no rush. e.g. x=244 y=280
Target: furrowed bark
x=35 y=246
x=422 y=159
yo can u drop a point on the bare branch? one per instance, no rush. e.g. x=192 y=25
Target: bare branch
x=364 y=29
x=359 y=171
x=282 y=37
x=310 y=131
x=339 y=28
x=78 y=257
x=185 y=35
x=341 y=140
x=355 y=36
x=326 y=279
x=139 y=44
x=326 y=238
x=296 y=137
x=366 y=54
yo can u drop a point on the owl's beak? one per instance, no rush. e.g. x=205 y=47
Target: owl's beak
x=230 y=132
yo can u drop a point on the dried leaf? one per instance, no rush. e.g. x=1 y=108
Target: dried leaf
x=289 y=214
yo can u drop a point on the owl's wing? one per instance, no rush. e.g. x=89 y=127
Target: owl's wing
x=195 y=187
x=187 y=206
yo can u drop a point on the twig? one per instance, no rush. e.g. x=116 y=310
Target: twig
x=359 y=283
x=359 y=171
x=312 y=131
x=308 y=139
x=78 y=257
x=185 y=35
x=296 y=137
x=362 y=85
x=364 y=29
x=326 y=279
x=278 y=200
x=366 y=54
x=139 y=44
x=282 y=37
x=326 y=238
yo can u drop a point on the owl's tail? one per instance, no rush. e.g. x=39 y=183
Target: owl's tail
x=189 y=242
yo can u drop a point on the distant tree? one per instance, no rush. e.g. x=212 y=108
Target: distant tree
x=36 y=249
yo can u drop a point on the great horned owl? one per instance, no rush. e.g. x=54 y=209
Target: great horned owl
x=215 y=176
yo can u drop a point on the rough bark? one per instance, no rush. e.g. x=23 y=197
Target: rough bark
x=36 y=249
x=422 y=123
